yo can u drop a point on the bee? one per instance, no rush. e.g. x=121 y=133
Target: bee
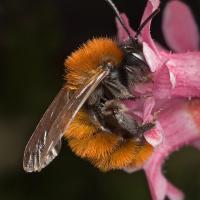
x=89 y=110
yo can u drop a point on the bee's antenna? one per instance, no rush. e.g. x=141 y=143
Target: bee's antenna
x=114 y=8
x=155 y=12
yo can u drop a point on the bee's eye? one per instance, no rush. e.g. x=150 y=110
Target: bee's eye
x=137 y=55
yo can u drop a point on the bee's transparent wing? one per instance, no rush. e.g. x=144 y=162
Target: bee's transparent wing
x=45 y=143
x=35 y=146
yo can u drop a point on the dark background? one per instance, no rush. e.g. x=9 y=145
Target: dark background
x=35 y=38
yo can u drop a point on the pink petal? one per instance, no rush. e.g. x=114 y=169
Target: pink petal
x=180 y=122
x=155 y=135
x=156 y=180
x=179 y=76
x=162 y=83
x=143 y=89
x=151 y=57
x=185 y=74
x=179 y=27
x=159 y=186
x=122 y=35
x=148 y=107
x=145 y=33
x=174 y=193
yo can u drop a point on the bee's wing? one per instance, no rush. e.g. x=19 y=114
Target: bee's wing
x=45 y=143
x=32 y=154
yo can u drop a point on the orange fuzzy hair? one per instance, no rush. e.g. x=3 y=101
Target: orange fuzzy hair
x=83 y=62
x=105 y=150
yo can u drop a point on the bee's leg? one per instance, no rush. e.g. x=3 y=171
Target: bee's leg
x=114 y=113
x=131 y=125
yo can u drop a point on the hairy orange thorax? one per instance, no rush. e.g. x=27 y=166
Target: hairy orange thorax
x=83 y=62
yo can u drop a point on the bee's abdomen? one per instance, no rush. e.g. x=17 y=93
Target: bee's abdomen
x=104 y=149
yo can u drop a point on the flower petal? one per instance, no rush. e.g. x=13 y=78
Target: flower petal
x=121 y=33
x=143 y=89
x=159 y=186
x=179 y=76
x=151 y=6
x=179 y=27
x=185 y=74
x=149 y=104
x=151 y=57
x=162 y=83
x=155 y=135
x=180 y=122
x=173 y=192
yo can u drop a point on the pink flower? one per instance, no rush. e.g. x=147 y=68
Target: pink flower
x=173 y=96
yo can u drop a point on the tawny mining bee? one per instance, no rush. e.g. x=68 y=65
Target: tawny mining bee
x=88 y=111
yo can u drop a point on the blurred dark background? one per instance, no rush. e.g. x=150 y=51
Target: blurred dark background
x=35 y=38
